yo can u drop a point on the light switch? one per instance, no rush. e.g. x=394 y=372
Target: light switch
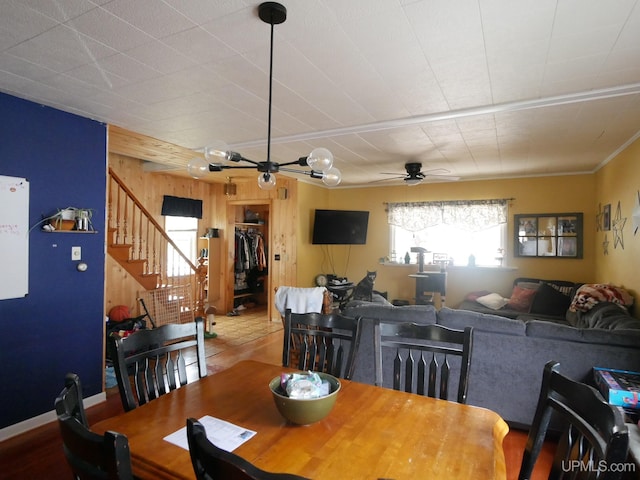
x=76 y=253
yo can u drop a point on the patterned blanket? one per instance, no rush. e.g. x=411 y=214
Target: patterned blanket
x=590 y=294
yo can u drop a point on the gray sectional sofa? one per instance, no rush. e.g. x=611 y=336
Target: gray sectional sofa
x=551 y=300
x=509 y=354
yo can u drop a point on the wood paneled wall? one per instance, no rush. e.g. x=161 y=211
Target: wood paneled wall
x=127 y=152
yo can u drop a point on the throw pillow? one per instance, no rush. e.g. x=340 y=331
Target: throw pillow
x=521 y=299
x=473 y=296
x=589 y=295
x=493 y=301
x=549 y=301
x=529 y=285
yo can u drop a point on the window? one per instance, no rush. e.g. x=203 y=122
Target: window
x=548 y=235
x=451 y=231
x=183 y=232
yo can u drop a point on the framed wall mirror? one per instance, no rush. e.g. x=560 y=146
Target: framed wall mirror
x=550 y=235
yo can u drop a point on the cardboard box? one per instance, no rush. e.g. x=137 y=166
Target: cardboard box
x=619 y=387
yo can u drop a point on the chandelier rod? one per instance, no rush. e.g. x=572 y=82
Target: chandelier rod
x=270 y=93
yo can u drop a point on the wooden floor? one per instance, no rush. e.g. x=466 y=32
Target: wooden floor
x=38 y=453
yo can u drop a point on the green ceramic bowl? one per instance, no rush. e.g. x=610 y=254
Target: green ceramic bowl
x=304 y=411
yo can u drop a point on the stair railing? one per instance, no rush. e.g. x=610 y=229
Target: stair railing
x=131 y=224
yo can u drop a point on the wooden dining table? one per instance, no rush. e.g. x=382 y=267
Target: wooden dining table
x=371 y=433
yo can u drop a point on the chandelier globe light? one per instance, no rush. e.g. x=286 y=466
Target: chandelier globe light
x=218 y=156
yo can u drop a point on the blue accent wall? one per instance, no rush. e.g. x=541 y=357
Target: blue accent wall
x=58 y=326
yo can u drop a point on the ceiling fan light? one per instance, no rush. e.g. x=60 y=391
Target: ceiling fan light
x=332 y=177
x=320 y=159
x=216 y=151
x=413 y=181
x=266 y=181
x=197 y=167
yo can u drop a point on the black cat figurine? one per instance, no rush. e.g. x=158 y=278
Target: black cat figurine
x=364 y=288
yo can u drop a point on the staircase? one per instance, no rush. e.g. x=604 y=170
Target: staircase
x=142 y=247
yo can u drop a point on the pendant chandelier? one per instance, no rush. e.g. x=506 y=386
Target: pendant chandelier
x=319 y=162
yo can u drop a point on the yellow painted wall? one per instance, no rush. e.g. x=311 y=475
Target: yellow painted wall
x=619 y=181
x=531 y=195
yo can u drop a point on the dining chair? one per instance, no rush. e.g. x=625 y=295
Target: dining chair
x=595 y=439
x=321 y=342
x=420 y=355
x=90 y=455
x=70 y=399
x=150 y=363
x=213 y=463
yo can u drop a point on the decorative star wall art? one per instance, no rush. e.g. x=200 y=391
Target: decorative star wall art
x=635 y=216
x=605 y=245
x=618 y=226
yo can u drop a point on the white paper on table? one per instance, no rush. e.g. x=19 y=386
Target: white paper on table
x=224 y=435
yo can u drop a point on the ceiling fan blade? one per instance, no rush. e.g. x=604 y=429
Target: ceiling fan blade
x=436 y=171
x=397 y=177
x=440 y=178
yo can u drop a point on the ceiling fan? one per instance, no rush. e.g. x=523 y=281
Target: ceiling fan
x=416 y=175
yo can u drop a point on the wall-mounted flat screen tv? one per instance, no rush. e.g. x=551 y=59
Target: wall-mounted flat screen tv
x=340 y=227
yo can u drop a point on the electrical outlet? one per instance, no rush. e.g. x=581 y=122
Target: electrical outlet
x=76 y=253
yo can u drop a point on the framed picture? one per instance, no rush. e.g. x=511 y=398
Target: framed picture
x=606 y=217
x=550 y=235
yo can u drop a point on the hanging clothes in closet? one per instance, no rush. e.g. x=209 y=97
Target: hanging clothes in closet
x=250 y=260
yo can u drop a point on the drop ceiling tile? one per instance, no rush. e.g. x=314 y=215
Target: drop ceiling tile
x=124 y=66
x=160 y=57
x=199 y=45
x=110 y=30
x=61 y=49
x=202 y=11
x=60 y=10
x=23 y=68
x=20 y=23
x=157 y=19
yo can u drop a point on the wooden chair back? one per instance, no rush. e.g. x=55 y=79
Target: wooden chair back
x=90 y=456
x=70 y=399
x=420 y=355
x=150 y=363
x=322 y=343
x=213 y=463
x=596 y=440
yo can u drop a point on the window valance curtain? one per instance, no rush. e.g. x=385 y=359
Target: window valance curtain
x=181 y=207
x=470 y=215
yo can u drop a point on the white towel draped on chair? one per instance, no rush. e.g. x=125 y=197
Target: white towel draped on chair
x=299 y=300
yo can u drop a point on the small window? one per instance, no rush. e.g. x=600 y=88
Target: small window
x=183 y=231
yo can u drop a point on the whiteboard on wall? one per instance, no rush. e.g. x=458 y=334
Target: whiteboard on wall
x=14 y=237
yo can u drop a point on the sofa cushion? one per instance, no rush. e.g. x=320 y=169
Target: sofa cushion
x=521 y=299
x=459 y=319
x=493 y=301
x=407 y=313
x=549 y=301
x=555 y=331
x=604 y=315
x=474 y=306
